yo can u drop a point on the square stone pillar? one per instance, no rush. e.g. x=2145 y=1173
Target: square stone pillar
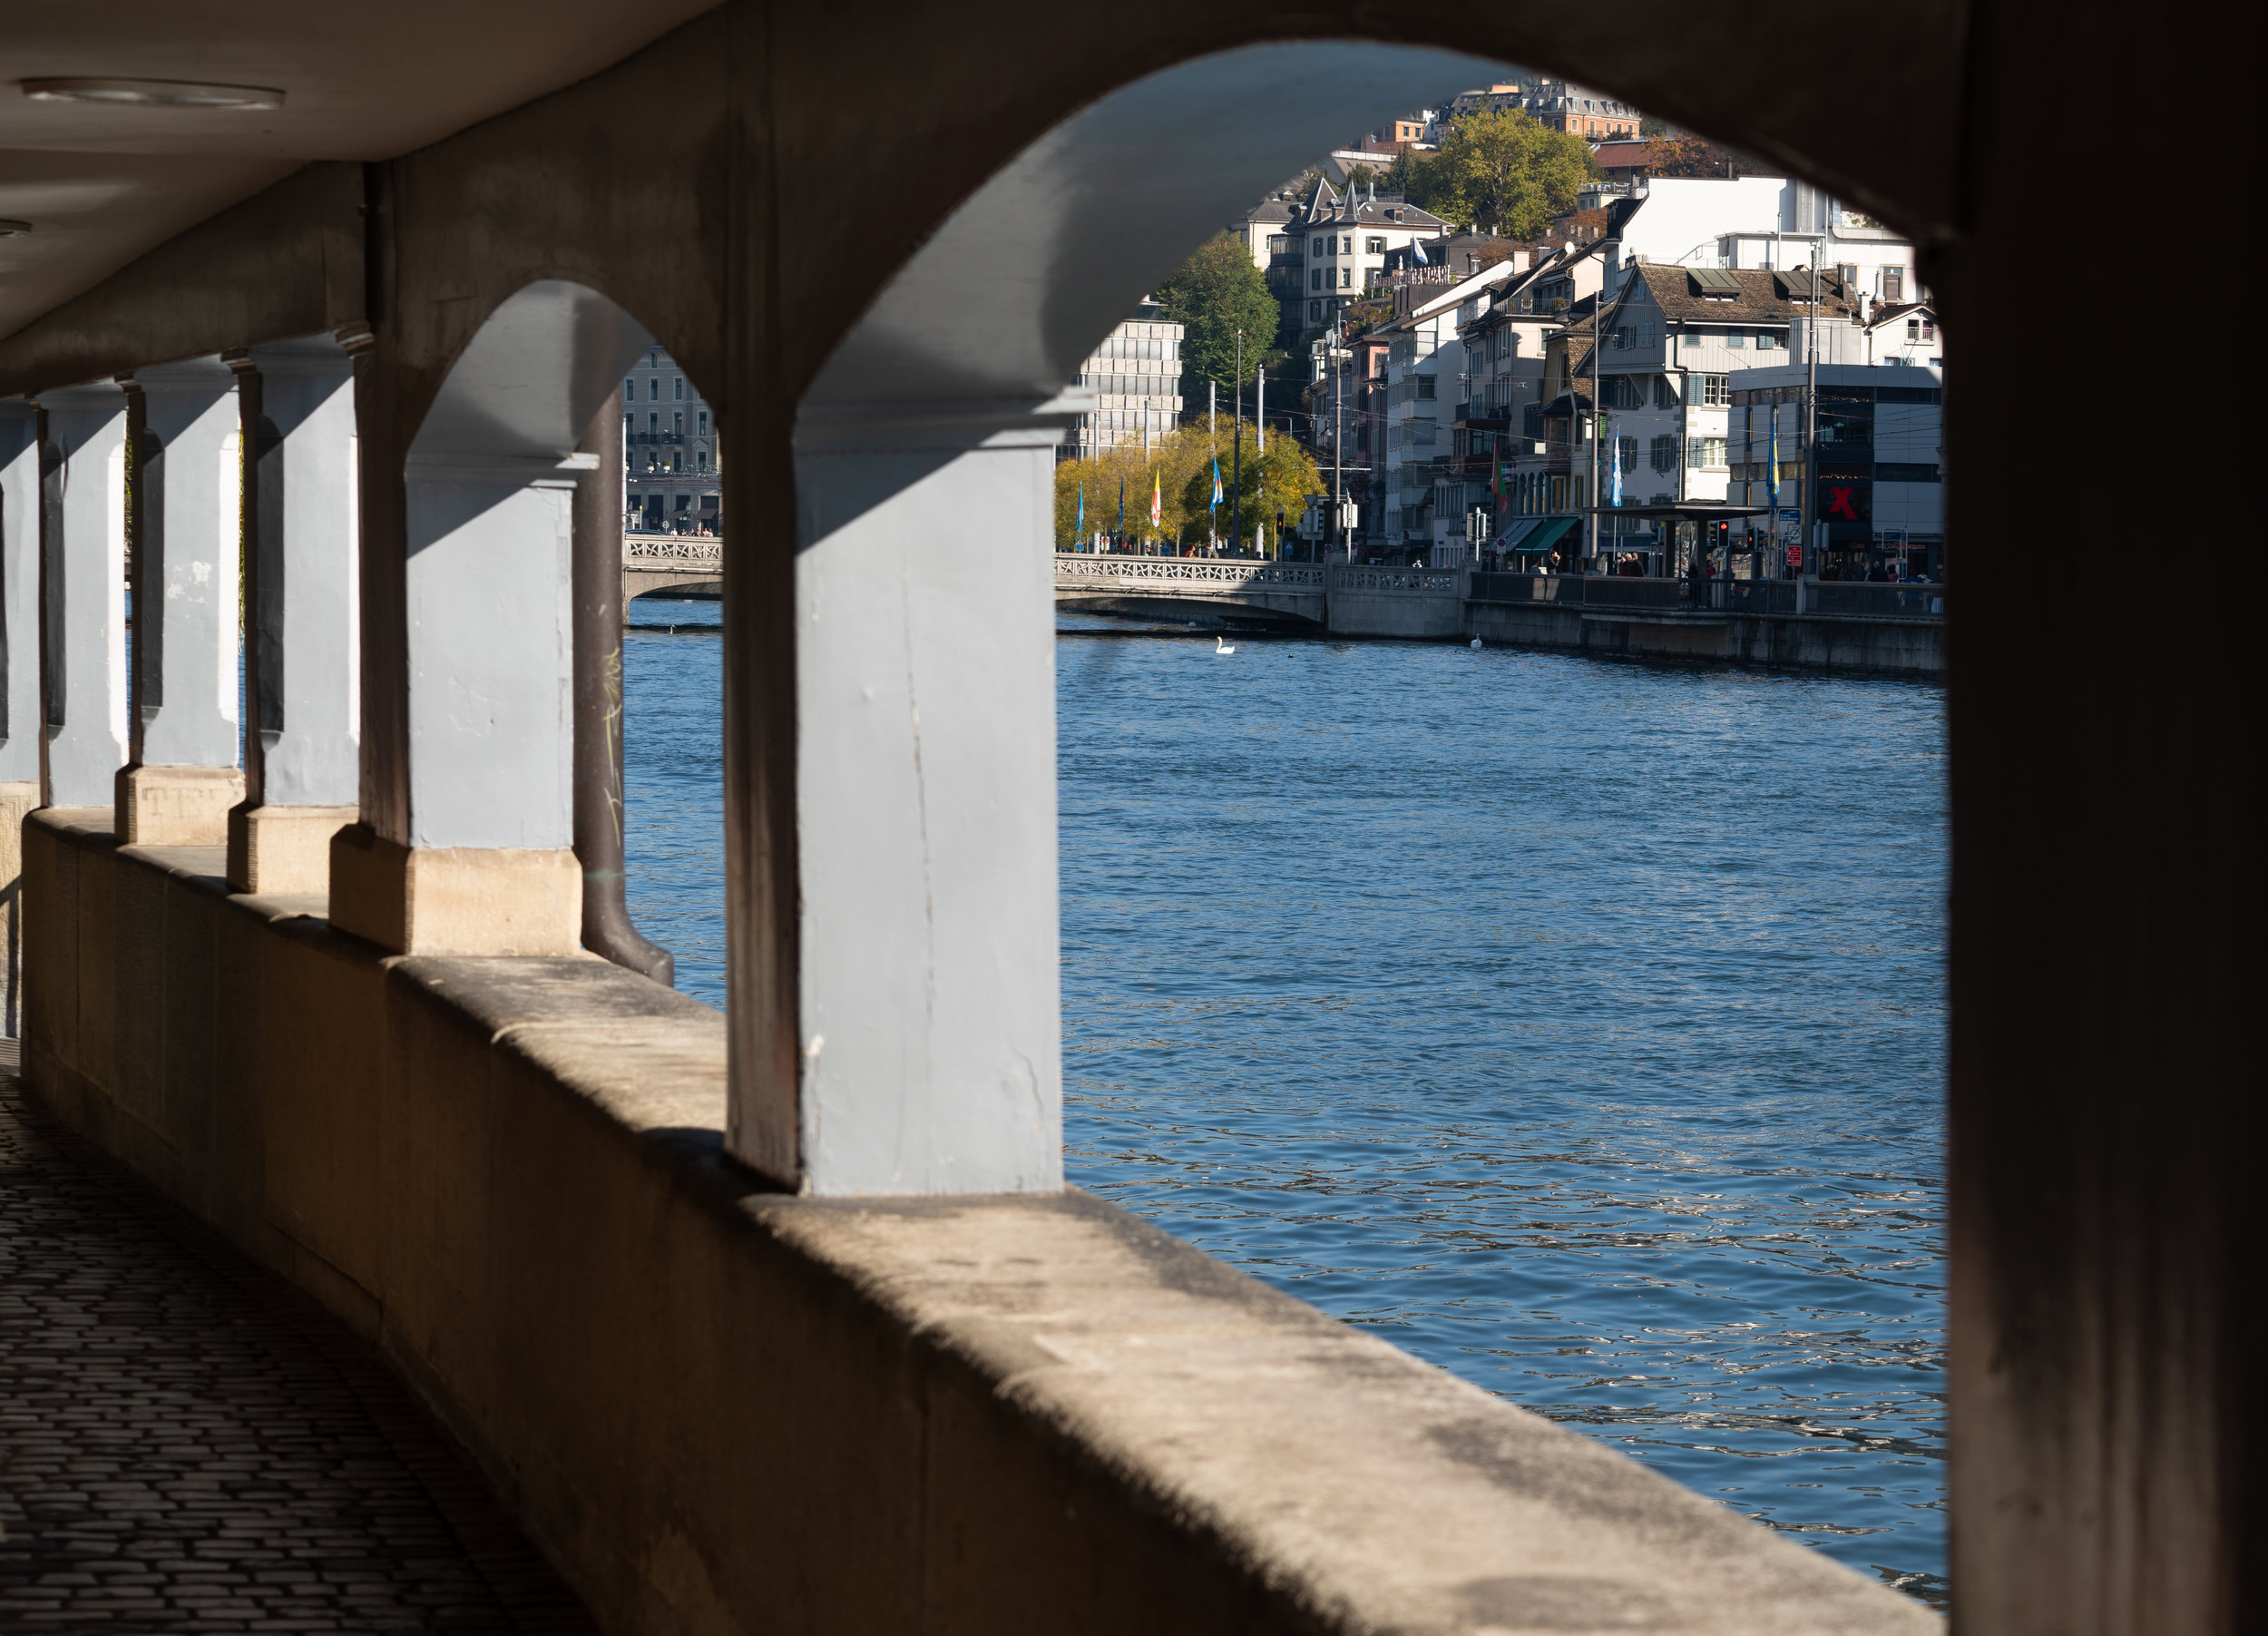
x=180 y=776
x=928 y=1057
x=19 y=679
x=303 y=661
x=82 y=593
x=490 y=866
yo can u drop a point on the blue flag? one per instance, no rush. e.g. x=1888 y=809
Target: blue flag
x=1417 y=252
x=1216 y=492
x=1618 y=471
x=1081 y=529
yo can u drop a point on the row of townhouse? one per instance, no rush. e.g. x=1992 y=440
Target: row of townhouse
x=1695 y=371
x=1492 y=378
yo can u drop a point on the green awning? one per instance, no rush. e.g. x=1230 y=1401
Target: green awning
x=1535 y=536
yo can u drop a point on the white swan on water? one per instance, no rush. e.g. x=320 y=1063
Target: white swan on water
x=1222 y=649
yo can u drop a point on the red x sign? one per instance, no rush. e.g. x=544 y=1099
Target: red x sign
x=1839 y=504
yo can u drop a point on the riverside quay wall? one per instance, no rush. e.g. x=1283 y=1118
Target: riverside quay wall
x=722 y=1406
x=1864 y=629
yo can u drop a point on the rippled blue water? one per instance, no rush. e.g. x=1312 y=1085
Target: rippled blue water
x=1577 y=1025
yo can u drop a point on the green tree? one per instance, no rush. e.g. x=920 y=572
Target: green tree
x=1180 y=466
x=1217 y=293
x=1279 y=480
x=1411 y=175
x=1500 y=171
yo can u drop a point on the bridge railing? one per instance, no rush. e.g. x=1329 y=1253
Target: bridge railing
x=1076 y=570
x=1869 y=600
x=672 y=548
x=1427 y=581
x=1780 y=598
x=1590 y=591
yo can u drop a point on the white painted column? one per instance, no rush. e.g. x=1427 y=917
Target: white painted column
x=19 y=596
x=181 y=776
x=19 y=680
x=303 y=674
x=928 y=987
x=82 y=589
x=489 y=867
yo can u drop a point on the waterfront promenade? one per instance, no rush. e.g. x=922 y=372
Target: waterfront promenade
x=188 y=1445
x=1857 y=628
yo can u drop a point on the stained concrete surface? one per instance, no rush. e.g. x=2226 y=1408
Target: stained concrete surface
x=188 y=1445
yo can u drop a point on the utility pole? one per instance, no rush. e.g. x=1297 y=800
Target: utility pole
x=1811 y=418
x=1594 y=428
x=1237 y=456
x=1212 y=407
x=1338 y=447
x=1260 y=408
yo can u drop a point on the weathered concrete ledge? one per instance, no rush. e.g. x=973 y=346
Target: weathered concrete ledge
x=724 y=1409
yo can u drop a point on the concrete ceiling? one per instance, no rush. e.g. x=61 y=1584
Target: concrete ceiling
x=102 y=184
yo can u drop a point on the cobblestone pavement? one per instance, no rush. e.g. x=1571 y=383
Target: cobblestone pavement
x=189 y=1444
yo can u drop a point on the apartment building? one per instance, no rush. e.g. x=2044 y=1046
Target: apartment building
x=1136 y=377
x=670 y=478
x=1881 y=476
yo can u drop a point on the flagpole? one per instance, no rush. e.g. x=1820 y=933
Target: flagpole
x=1236 y=459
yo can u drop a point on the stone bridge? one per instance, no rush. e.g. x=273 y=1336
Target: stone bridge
x=1290 y=593
x=672 y=565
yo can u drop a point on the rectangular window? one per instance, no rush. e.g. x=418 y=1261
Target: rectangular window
x=701 y=420
x=700 y=460
x=629 y=391
x=677 y=423
x=653 y=422
x=1626 y=451
x=1893 y=284
x=1317 y=250
x=1315 y=281
x=1766 y=341
x=1346 y=244
x=1716 y=391
x=1892 y=471
x=1695 y=337
x=1703 y=452
x=1645 y=335
x=677 y=388
x=1346 y=278
x=1665 y=392
x=1665 y=453
x=653 y=388
x=1377 y=245
x=1736 y=338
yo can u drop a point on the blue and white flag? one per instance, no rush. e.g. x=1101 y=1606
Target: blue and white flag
x=1618 y=471
x=1417 y=252
x=1216 y=489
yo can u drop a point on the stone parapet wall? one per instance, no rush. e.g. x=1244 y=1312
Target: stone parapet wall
x=719 y=1407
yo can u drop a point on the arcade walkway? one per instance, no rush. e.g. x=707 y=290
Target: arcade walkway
x=187 y=1444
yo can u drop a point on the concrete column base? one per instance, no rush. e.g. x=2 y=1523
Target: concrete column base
x=176 y=806
x=16 y=800
x=456 y=900
x=284 y=851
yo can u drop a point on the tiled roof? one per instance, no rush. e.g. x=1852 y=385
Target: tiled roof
x=1763 y=296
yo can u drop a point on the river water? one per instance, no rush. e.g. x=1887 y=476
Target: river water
x=1577 y=1025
